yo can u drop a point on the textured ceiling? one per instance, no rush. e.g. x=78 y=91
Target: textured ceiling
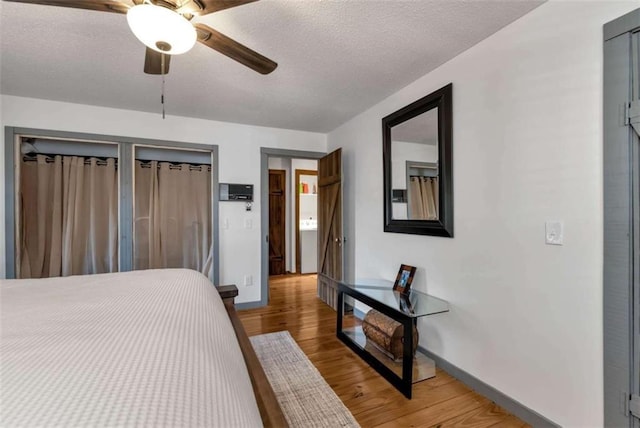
x=336 y=58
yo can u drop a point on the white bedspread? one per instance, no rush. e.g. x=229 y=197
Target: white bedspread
x=147 y=348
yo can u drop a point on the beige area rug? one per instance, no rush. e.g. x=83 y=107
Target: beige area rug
x=306 y=399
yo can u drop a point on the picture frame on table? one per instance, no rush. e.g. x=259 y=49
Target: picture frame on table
x=404 y=279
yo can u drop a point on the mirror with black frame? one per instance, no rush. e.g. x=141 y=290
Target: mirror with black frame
x=417 y=154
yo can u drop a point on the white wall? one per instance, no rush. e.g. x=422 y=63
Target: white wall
x=239 y=152
x=525 y=317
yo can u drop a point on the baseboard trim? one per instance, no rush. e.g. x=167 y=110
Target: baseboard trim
x=512 y=406
x=516 y=408
x=249 y=305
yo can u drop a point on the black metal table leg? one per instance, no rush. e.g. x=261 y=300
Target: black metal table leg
x=407 y=357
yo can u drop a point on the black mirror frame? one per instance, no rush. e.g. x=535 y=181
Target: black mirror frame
x=442 y=99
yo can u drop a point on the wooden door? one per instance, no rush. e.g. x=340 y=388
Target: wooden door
x=330 y=237
x=277 y=224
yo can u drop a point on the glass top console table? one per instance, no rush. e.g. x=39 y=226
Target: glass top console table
x=354 y=301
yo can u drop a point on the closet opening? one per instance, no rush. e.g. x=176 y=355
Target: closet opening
x=67 y=202
x=172 y=209
x=79 y=204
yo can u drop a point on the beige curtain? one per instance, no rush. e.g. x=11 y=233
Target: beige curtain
x=69 y=223
x=415 y=206
x=172 y=216
x=423 y=198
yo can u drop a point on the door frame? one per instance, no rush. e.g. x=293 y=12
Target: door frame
x=621 y=284
x=297 y=174
x=265 y=154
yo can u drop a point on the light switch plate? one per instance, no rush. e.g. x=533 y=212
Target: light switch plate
x=554 y=233
x=248 y=223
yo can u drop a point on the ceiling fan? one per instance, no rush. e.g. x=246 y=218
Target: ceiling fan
x=164 y=27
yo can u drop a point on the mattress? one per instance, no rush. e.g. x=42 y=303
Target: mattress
x=144 y=348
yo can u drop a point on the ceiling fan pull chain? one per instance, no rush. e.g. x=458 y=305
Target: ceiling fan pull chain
x=162 y=96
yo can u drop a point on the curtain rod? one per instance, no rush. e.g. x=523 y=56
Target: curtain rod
x=102 y=161
x=176 y=165
x=49 y=158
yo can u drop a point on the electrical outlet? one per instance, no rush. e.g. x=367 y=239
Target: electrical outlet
x=248 y=280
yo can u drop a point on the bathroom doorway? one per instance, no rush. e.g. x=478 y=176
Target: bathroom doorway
x=306 y=222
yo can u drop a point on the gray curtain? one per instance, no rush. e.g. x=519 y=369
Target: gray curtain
x=172 y=225
x=69 y=216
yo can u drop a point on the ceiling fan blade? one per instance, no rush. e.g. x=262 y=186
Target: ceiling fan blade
x=210 y=6
x=196 y=7
x=153 y=62
x=99 y=5
x=234 y=50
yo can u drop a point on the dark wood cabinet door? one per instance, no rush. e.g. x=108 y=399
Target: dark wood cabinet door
x=277 y=210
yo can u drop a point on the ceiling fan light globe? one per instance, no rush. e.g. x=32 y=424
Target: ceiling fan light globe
x=158 y=26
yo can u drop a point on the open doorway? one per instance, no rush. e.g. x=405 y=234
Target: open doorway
x=306 y=222
x=292 y=216
x=293 y=205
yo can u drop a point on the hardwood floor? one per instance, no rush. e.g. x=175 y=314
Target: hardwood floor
x=438 y=402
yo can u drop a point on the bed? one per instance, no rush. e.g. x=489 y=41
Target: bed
x=153 y=348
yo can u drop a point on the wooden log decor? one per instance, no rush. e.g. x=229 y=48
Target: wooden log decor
x=386 y=334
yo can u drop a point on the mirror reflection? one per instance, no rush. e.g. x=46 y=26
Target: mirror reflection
x=414 y=168
x=417 y=155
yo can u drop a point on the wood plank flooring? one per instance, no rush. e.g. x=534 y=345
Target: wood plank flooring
x=438 y=402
